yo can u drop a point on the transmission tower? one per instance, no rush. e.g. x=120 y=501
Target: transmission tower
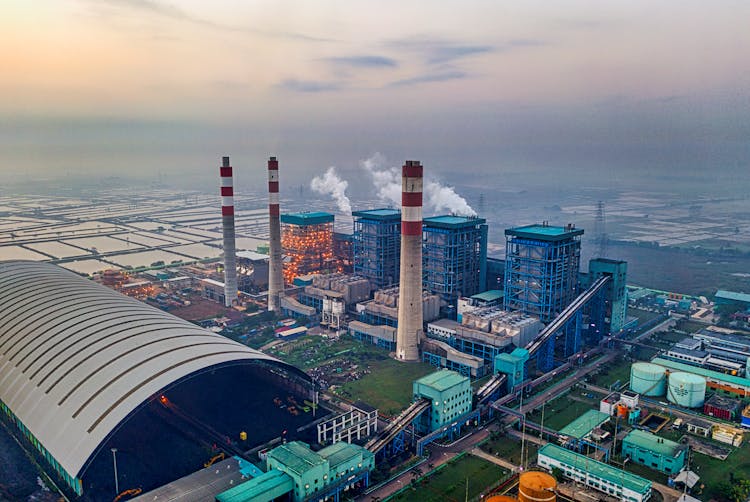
x=481 y=204
x=600 y=231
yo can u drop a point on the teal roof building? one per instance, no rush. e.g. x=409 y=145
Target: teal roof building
x=450 y=397
x=594 y=474
x=294 y=469
x=654 y=452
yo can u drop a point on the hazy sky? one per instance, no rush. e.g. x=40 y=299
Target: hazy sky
x=136 y=87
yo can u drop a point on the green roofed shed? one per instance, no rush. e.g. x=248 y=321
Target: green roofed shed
x=583 y=425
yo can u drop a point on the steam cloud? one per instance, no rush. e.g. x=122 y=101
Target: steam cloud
x=438 y=198
x=331 y=184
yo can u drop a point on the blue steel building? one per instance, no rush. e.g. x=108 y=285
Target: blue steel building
x=541 y=269
x=376 y=246
x=454 y=256
x=611 y=313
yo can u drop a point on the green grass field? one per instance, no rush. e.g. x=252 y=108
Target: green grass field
x=509 y=448
x=388 y=387
x=560 y=412
x=618 y=370
x=449 y=482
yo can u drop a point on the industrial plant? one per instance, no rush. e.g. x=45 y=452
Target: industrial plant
x=323 y=365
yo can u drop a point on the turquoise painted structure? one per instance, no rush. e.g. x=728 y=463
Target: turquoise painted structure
x=450 y=397
x=616 y=292
x=296 y=471
x=654 y=452
x=513 y=365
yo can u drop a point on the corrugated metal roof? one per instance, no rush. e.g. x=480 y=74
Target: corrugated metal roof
x=490 y=295
x=340 y=452
x=584 y=424
x=652 y=442
x=296 y=456
x=265 y=487
x=76 y=358
x=599 y=469
x=732 y=296
x=715 y=375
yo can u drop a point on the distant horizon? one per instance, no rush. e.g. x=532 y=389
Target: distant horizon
x=581 y=91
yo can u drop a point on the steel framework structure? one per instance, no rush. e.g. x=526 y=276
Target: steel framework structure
x=454 y=256
x=541 y=270
x=376 y=246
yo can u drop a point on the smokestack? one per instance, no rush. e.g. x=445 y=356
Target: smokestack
x=227 y=223
x=409 y=332
x=275 y=278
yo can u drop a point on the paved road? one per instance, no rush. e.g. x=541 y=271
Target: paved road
x=438 y=456
x=477 y=452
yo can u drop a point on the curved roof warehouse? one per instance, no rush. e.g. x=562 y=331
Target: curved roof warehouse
x=76 y=359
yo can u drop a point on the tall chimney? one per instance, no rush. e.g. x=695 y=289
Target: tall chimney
x=227 y=223
x=409 y=332
x=275 y=278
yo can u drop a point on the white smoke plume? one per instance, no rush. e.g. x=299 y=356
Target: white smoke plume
x=437 y=198
x=331 y=184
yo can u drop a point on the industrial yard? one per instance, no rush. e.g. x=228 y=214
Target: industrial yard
x=594 y=376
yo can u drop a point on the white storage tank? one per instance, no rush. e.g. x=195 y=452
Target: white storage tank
x=686 y=390
x=648 y=379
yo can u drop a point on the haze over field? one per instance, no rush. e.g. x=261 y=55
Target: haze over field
x=511 y=92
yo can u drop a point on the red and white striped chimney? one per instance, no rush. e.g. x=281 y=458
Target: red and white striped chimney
x=275 y=277
x=409 y=333
x=227 y=223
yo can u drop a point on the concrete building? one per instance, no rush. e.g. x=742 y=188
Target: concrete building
x=454 y=256
x=252 y=270
x=485 y=333
x=725 y=408
x=594 y=474
x=383 y=308
x=490 y=298
x=333 y=295
x=381 y=335
x=723 y=297
x=441 y=355
x=695 y=357
x=294 y=470
x=376 y=246
x=307 y=243
x=542 y=263
x=654 y=451
x=450 y=396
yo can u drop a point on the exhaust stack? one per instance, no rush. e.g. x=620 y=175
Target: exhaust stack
x=275 y=278
x=227 y=223
x=409 y=332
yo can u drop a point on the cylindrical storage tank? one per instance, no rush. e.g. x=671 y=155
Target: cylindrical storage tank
x=648 y=379
x=500 y=498
x=535 y=486
x=686 y=389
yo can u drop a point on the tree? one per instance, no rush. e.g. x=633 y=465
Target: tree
x=557 y=473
